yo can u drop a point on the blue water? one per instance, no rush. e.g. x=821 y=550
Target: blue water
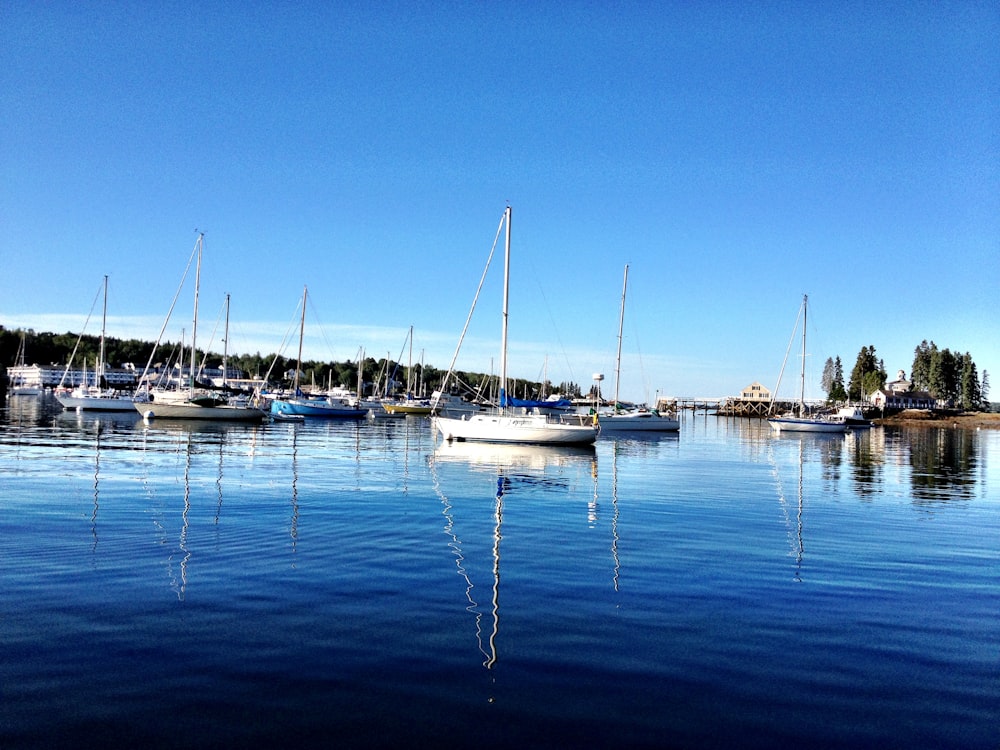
x=181 y=585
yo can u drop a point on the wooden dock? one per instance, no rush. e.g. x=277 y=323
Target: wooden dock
x=727 y=407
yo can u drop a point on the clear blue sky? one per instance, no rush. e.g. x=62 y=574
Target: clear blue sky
x=736 y=155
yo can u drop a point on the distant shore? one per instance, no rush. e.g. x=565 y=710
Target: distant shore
x=926 y=418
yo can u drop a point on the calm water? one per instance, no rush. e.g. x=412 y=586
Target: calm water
x=178 y=585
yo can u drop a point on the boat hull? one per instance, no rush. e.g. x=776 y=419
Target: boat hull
x=795 y=424
x=404 y=409
x=322 y=409
x=646 y=422
x=96 y=403
x=503 y=428
x=160 y=410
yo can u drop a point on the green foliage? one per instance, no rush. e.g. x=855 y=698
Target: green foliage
x=833 y=380
x=867 y=376
x=970 y=394
x=920 y=373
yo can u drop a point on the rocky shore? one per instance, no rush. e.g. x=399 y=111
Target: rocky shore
x=927 y=418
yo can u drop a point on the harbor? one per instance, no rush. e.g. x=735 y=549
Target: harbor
x=205 y=584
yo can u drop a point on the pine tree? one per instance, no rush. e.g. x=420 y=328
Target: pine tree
x=839 y=392
x=920 y=372
x=943 y=378
x=826 y=381
x=969 y=395
x=866 y=363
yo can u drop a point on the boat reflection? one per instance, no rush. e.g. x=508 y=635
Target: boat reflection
x=793 y=515
x=533 y=460
x=511 y=469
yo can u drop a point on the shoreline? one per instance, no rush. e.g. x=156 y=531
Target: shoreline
x=926 y=418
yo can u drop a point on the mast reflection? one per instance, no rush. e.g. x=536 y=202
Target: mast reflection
x=512 y=466
x=793 y=528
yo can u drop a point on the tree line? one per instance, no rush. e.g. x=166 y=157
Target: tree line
x=949 y=377
x=56 y=349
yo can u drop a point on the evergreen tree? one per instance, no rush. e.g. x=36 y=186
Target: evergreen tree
x=920 y=372
x=826 y=381
x=969 y=395
x=984 y=392
x=837 y=391
x=944 y=375
x=858 y=387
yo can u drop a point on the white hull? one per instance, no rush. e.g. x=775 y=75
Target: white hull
x=160 y=410
x=96 y=403
x=504 y=428
x=795 y=424
x=641 y=422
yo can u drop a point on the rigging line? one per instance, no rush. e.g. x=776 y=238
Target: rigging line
x=296 y=317
x=211 y=340
x=555 y=329
x=194 y=253
x=644 y=378
x=80 y=337
x=322 y=330
x=482 y=280
x=774 y=393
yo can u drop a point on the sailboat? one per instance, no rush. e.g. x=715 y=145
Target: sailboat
x=408 y=404
x=196 y=403
x=803 y=421
x=95 y=397
x=299 y=404
x=21 y=385
x=632 y=420
x=503 y=425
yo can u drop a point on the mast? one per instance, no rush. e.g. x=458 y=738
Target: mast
x=194 y=327
x=621 y=323
x=104 y=321
x=409 y=367
x=361 y=374
x=503 y=335
x=225 y=345
x=802 y=387
x=302 y=330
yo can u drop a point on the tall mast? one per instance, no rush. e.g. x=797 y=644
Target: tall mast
x=225 y=344
x=409 y=367
x=302 y=330
x=802 y=387
x=104 y=321
x=621 y=323
x=194 y=327
x=361 y=373
x=503 y=335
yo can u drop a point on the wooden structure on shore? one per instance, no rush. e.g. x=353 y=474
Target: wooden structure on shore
x=742 y=407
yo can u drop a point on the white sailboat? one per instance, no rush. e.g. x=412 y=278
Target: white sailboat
x=632 y=420
x=502 y=425
x=197 y=403
x=803 y=421
x=95 y=397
